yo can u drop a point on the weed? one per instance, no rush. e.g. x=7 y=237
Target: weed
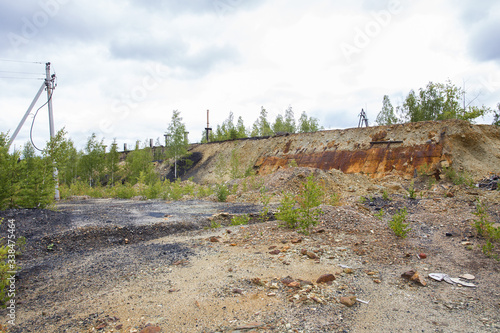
x=412 y=194
x=265 y=199
x=379 y=214
x=385 y=196
x=334 y=200
x=458 y=178
x=362 y=200
x=204 y=191
x=240 y=220
x=221 y=192
x=235 y=164
x=215 y=224
x=292 y=163
x=481 y=224
x=50 y=247
x=486 y=229
x=398 y=225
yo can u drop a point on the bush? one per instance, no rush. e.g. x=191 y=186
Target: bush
x=485 y=228
x=240 y=220
x=458 y=178
x=397 y=223
x=306 y=215
x=221 y=192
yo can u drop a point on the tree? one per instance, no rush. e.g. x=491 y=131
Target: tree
x=279 y=124
x=307 y=125
x=438 y=101
x=9 y=174
x=177 y=145
x=64 y=155
x=138 y=164
x=496 y=116
x=386 y=116
x=264 y=126
x=290 y=126
x=92 y=163
x=112 y=161
x=240 y=128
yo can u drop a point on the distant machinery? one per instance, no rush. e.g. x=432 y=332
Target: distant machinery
x=363 y=119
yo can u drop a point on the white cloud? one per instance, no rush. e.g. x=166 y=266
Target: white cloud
x=123 y=67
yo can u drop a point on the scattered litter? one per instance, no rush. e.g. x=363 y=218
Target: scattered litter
x=467 y=277
x=344 y=266
x=463 y=283
x=490 y=183
x=441 y=276
x=361 y=301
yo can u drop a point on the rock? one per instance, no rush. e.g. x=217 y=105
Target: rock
x=377 y=281
x=325 y=278
x=294 y=284
x=287 y=280
x=348 y=301
x=311 y=255
x=237 y=291
x=101 y=326
x=414 y=276
x=450 y=194
x=348 y=270
x=303 y=252
x=257 y=281
x=214 y=239
x=466 y=243
x=422 y=255
x=371 y=273
x=449 y=234
x=250 y=326
x=271 y=294
x=275 y=252
x=296 y=240
x=126 y=240
x=151 y=329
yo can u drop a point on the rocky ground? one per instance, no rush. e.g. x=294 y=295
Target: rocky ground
x=105 y=265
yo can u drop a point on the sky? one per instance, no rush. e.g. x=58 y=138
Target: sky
x=123 y=66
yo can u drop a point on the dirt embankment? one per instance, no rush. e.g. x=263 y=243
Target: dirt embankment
x=376 y=151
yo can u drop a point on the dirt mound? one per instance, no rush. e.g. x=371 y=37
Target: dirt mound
x=381 y=151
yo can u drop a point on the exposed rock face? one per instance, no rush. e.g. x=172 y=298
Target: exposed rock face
x=398 y=149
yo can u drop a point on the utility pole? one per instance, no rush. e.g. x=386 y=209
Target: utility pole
x=49 y=85
x=208 y=129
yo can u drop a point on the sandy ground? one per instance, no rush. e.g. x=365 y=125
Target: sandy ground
x=124 y=266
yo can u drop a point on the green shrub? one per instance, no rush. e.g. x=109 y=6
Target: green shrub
x=379 y=214
x=240 y=220
x=287 y=211
x=292 y=163
x=221 y=192
x=125 y=191
x=486 y=229
x=398 y=225
x=306 y=216
x=265 y=199
x=412 y=194
x=458 y=178
x=385 y=195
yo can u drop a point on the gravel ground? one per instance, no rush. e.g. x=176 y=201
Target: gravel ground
x=121 y=265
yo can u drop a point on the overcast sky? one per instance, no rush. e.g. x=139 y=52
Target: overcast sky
x=123 y=66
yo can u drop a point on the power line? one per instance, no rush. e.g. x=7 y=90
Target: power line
x=22 y=62
x=10 y=72
x=22 y=78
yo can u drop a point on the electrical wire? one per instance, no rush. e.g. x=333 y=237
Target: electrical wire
x=21 y=78
x=22 y=62
x=10 y=72
x=33 y=122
